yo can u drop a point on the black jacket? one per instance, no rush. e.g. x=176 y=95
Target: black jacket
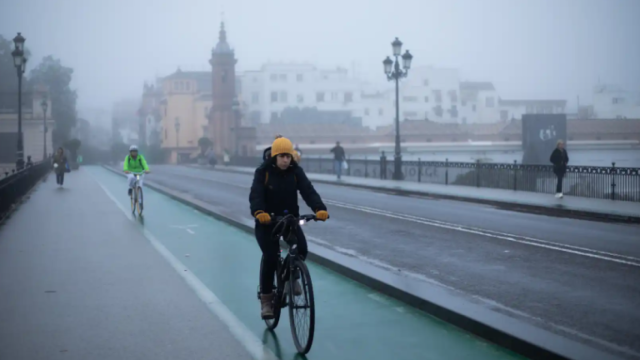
x=559 y=159
x=278 y=191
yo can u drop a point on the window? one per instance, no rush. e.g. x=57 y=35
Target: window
x=334 y=96
x=274 y=115
x=255 y=98
x=300 y=77
x=617 y=100
x=206 y=112
x=425 y=82
x=282 y=77
x=255 y=79
x=438 y=110
x=348 y=97
x=473 y=108
x=165 y=134
x=188 y=86
x=320 y=97
x=453 y=95
x=300 y=98
x=410 y=98
x=463 y=103
x=205 y=130
x=453 y=111
x=273 y=77
x=380 y=112
x=464 y=120
x=490 y=102
x=438 y=96
x=426 y=99
x=283 y=96
x=274 y=96
x=366 y=111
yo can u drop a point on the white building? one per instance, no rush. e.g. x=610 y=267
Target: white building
x=612 y=101
x=268 y=91
x=430 y=93
x=514 y=109
x=479 y=103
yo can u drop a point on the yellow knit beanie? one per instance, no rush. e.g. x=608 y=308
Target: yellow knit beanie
x=282 y=145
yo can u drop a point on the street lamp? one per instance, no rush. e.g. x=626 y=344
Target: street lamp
x=393 y=72
x=20 y=62
x=45 y=105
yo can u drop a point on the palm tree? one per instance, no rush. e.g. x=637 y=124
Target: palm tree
x=204 y=143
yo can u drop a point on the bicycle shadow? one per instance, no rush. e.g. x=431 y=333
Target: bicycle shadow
x=276 y=345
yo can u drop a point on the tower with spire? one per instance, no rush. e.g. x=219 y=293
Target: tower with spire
x=223 y=120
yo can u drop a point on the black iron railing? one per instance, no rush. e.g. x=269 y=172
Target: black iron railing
x=14 y=185
x=601 y=182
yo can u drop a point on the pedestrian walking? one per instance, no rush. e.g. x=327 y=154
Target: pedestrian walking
x=559 y=158
x=60 y=165
x=338 y=158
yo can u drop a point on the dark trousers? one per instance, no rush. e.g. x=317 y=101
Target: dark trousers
x=270 y=249
x=60 y=178
x=560 y=176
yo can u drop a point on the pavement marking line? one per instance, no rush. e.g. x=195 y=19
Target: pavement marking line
x=190 y=231
x=499 y=235
x=244 y=336
x=577 y=250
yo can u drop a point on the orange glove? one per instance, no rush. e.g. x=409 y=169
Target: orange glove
x=322 y=215
x=263 y=217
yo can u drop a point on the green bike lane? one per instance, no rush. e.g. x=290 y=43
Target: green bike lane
x=352 y=321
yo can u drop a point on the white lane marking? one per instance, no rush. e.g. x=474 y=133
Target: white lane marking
x=572 y=249
x=602 y=255
x=190 y=231
x=244 y=336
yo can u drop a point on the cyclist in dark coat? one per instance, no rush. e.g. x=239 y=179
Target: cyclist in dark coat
x=275 y=191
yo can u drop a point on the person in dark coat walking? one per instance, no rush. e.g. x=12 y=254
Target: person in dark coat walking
x=559 y=158
x=59 y=165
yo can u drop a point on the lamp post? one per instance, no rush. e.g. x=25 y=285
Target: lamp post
x=20 y=62
x=45 y=105
x=177 y=125
x=393 y=72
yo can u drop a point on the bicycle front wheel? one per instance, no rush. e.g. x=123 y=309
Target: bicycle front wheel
x=139 y=200
x=302 y=309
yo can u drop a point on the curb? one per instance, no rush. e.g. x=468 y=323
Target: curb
x=499 y=329
x=14 y=208
x=527 y=208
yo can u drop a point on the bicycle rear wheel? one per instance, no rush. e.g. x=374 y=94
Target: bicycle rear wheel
x=302 y=308
x=139 y=200
x=277 y=301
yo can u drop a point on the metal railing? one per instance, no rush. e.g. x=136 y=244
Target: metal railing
x=14 y=185
x=600 y=182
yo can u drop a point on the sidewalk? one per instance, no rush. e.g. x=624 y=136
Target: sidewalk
x=79 y=280
x=535 y=202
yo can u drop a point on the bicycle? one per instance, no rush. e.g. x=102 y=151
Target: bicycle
x=291 y=268
x=136 y=195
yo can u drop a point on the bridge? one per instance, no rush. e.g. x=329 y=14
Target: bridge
x=397 y=274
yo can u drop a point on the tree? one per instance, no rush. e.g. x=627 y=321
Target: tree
x=57 y=77
x=204 y=143
x=73 y=146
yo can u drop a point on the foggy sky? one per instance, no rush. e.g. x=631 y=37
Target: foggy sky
x=531 y=49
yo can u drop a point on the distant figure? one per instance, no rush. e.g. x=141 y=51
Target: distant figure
x=559 y=158
x=383 y=166
x=338 y=158
x=29 y=162
x=59 y=165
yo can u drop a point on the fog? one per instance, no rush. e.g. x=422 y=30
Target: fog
x=534 y=49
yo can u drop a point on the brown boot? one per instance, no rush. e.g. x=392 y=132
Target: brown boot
x=267 y=306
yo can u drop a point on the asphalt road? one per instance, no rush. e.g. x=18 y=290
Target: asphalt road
x=577 y=278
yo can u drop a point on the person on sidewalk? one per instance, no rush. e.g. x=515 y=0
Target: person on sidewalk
x=559 y=158
x=338 y=158
x=274 y=190
x=59 y=165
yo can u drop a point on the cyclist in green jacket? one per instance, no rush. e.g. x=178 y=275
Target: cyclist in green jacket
x=135 y=163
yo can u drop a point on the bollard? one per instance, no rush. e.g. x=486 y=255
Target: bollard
x=349 y=166
x=419 y=170
x=366 y=167
x=478 y=173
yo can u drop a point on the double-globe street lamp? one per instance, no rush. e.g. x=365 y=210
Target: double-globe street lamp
x=393 y=72
x=44 y=104
x=20 y=62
